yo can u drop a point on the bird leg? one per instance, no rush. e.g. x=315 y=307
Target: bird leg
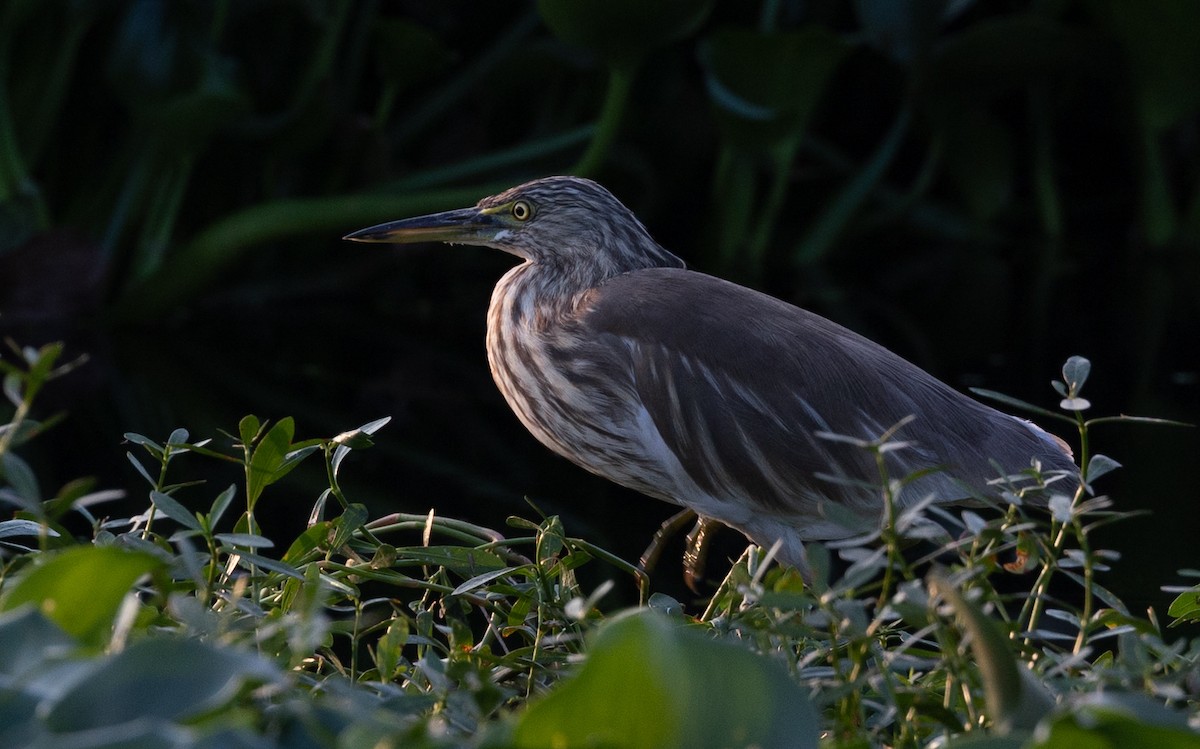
x=696 y=552
x=670 y=527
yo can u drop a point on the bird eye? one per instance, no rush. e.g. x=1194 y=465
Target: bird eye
x=522 y=211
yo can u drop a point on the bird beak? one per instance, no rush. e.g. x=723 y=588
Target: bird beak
x=465 y=225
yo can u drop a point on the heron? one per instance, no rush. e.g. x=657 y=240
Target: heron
x=706 y=394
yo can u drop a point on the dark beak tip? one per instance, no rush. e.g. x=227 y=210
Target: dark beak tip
x=363 y=235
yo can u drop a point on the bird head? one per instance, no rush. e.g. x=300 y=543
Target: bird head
x=565 y=222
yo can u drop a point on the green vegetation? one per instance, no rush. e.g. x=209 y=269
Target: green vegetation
x=956 y=179
x=185 y=626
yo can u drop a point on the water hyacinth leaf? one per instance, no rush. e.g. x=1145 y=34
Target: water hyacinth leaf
x=649 y=683
x=144 y=682
x=80 y=589
x=622 y=32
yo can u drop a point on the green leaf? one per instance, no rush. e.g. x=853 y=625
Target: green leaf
x=152 y=446
x=1186 y=606
x=174 y=510
x=248 y=429
x=1106 y=719
x=23 y=528
x=26 y=639
x=1099 y=465
x=622 y=32
x=20 y=477
x=1014 y=696
x=267 y=460
x=462 y=560
x=245 y=540
x=249 y=561
x=351 y=520
x=220 y=504
x=159 y=679
x=1075 y=373
x=651 y=683
x=81 y=588
x=316 y=537
x=765 y=87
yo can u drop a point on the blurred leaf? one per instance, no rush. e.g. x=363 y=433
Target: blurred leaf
x=1112 y=719
x=1005 y=53
x=902 y=29
x=81 y=588
x=1075 y=404
x=9 y=528
x=622 y=32
x=1015 y=698
x=159 y=679
x=765 y=87
x=407 y=53
x=978 y=152
x=1160 y=41
x=27 y=638
x=20 y=477
x=650 y=682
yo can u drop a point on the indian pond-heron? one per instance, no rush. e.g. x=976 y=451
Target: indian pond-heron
x=704 y=393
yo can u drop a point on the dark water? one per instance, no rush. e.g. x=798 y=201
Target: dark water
x=352 y=336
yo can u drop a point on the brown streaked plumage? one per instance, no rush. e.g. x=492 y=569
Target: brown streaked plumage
x=704 y=393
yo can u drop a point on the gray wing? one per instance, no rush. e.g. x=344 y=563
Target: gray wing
x=739 y=385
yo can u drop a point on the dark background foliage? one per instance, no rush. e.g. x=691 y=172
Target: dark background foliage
x=985 y=188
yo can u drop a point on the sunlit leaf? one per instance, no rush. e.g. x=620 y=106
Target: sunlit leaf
x=651 y=683
x=81 y=588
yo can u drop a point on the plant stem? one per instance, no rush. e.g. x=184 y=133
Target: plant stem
x=612 y=112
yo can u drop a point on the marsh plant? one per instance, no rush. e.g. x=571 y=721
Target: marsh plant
x=186 y=625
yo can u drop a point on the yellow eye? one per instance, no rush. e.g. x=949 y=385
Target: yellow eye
x=522 y=210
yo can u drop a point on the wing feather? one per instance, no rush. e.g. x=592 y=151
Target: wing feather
x=739 y=385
